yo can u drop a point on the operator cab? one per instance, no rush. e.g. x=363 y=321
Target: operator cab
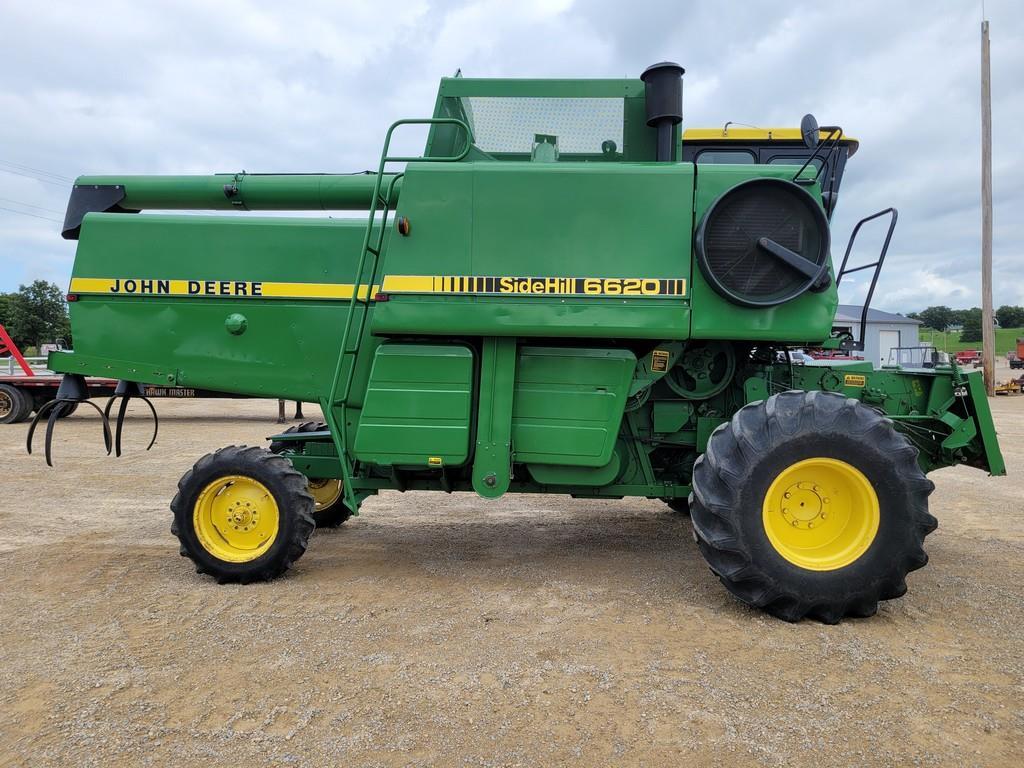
x=734 y=144
x=588 y=121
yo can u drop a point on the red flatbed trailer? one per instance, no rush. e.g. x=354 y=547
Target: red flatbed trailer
x=21 y=396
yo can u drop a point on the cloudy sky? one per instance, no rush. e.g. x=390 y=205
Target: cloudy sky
x=199 y=87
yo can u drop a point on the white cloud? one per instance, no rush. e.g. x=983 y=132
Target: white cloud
x=197 y=87
x=924 y=287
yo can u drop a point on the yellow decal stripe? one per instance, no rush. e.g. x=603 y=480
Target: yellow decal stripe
x=423 y=284
x=234 y=289
x=412 y=284
x=535 y=286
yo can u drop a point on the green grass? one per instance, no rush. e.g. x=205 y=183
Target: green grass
x=1006 y=339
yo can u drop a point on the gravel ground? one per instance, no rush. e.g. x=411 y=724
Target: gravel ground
x=454 y=631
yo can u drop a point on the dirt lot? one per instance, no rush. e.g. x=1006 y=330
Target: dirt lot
x=453 y=631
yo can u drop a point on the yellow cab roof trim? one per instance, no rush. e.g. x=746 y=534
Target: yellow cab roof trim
x=757 y=134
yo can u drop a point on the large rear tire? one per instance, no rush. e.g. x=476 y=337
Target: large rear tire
x=330 y=509
x=811 y=504
x=242 y=514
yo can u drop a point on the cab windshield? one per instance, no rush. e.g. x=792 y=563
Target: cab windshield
x=545 y=120
x=505 y=125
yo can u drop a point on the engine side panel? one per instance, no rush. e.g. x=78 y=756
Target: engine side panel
x=537 y=249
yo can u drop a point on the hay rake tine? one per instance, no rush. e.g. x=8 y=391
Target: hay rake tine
x=124 y=392
x=32 y=427
x=122 y=409
x=156 y=421
x=106 y=424
x=72 y=391
x=58 y=409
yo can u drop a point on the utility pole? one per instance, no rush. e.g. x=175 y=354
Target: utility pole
x=988 y=334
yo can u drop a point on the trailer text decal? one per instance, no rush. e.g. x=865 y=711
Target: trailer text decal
x=432 y=284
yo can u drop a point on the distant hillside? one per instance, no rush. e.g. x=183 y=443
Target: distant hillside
x=1006 y=339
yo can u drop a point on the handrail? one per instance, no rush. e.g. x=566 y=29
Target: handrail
x=385 y=159
x=375 y=200
x=876 y=264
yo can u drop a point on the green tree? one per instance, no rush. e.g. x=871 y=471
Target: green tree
x=5 y=308
x=972 y=324
x=959 y=316
x=36 y=314
x=938 y=317
x=1010 y=316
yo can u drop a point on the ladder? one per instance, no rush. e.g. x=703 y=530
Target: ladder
x=335 y=407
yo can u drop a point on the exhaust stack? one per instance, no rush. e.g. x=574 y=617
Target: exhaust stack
x=664 y=94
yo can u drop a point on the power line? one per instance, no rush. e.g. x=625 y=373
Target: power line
x=29 y=205
x=36 y=170
x=37 y=178
x=26 y=213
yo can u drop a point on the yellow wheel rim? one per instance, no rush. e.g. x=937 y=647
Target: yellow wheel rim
x=821 y=514
x=236 y=518
x=6 y=404
x=325 y=491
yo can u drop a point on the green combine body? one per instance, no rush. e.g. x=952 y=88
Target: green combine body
x=549 y=300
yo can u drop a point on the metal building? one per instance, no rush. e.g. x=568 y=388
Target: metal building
x=885 y=330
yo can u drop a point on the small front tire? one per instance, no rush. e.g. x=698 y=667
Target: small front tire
x=242 y=514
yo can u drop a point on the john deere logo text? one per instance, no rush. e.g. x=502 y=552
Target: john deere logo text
x=192 y=287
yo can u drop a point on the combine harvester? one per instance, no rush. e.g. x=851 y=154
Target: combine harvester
x=564 y=294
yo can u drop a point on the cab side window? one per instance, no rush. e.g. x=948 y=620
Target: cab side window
x=721 y=156
x=809 y=172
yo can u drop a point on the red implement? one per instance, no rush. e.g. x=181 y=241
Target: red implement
x=7 y=345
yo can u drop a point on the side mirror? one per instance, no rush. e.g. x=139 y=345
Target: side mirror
x=809 y=131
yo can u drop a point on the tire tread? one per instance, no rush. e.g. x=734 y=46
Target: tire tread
x=719 y=475
x=298 y=503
